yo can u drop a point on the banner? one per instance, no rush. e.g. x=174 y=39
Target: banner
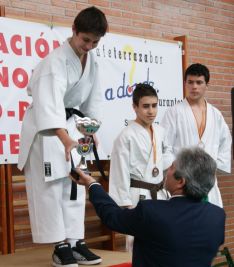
x=123 y=60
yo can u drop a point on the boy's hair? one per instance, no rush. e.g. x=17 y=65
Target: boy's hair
x=91 y=20
x=198 y=70
x=142 y=90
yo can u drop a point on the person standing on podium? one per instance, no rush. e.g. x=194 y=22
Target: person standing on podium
x=67 y=78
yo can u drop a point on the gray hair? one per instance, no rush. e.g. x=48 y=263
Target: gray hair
x=198 y=169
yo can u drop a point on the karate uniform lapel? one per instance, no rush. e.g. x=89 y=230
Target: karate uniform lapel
x=144 y=140
x=75 y=93
x=209 y=125
x=150 y=165
x=193 y=137
x=85 y=78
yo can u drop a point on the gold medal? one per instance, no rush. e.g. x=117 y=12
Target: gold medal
x=155 y=172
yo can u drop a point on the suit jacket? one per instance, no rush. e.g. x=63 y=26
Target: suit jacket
x=179 y=232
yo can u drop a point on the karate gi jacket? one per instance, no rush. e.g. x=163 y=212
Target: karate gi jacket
x=58 y=82
x=132 y=157
x=181 y=132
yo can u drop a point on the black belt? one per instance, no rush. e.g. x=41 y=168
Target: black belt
x=153 y=188
x=73 y=196
x=71 y=111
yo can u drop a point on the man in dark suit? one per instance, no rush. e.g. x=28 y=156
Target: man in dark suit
x=180 y=232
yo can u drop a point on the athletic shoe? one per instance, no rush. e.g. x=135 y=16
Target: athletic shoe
x=63 y=257
x=83 y=255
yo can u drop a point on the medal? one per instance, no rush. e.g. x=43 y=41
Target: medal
x=155 y=172
x=201 y=144
x=201 y=127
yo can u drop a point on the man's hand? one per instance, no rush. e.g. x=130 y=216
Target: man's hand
x=84 y=179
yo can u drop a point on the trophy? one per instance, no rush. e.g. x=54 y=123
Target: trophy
x=88 y=127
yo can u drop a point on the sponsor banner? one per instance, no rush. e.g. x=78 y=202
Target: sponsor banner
x=123 y=60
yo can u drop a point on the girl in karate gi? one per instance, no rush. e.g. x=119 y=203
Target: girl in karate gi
x=66 y=78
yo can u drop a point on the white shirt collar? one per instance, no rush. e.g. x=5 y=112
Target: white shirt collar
x=177 y=196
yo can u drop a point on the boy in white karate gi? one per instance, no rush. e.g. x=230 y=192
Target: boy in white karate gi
x=195 y=122
x=136 y=169
x=66 y=78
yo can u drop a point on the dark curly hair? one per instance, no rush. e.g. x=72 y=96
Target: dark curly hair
x=198 y=69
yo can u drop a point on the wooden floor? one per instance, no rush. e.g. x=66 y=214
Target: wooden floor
x=41 y=257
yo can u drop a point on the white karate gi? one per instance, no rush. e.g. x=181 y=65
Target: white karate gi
x=57 y=82
x=181 y=132
x=132 y=156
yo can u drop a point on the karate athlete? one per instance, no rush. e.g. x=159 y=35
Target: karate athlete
x=195 y=122
x=66 y=78
x=136 y=169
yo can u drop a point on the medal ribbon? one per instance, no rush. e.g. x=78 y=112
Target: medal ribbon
x=202 y=126
x=154 y=146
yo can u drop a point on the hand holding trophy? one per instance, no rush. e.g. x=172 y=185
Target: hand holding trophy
x=88 y=127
